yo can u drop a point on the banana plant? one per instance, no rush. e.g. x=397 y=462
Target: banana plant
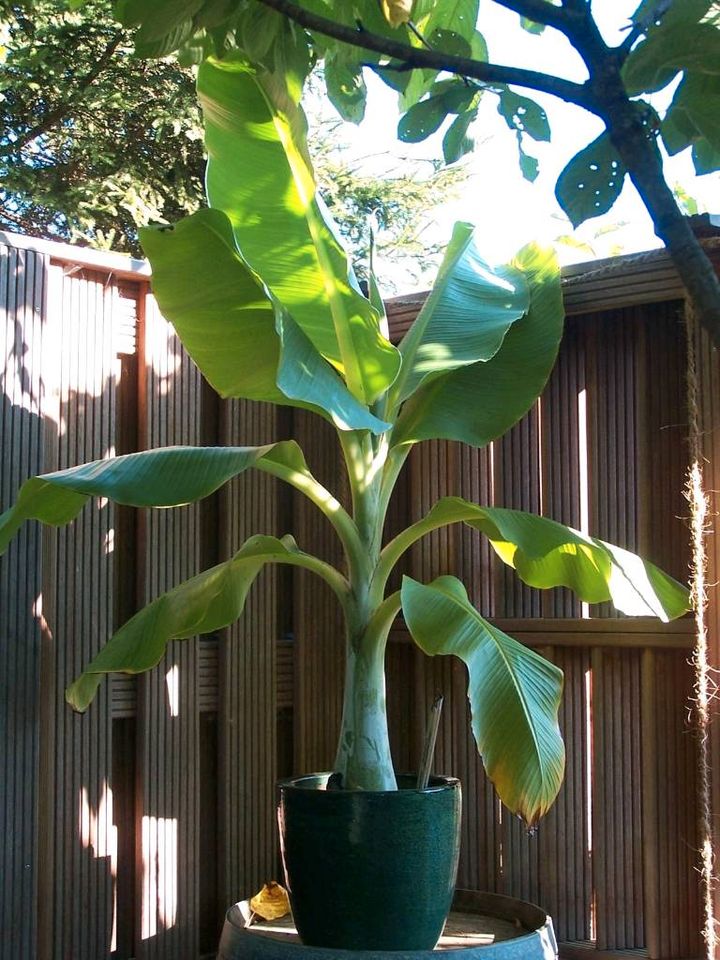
x=261 y=293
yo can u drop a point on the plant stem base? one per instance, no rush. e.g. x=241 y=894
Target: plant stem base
x=516 y=930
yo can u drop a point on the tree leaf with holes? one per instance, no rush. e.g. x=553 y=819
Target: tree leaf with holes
x=456 y=142
x=524 y=115
x=514 y=694
x=693 y=117
x=671 y=47
x=532 y=26
x=591 y=182
x=346 y=87
x=426 y=116
x=706 y=159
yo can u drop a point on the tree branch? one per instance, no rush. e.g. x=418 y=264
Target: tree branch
x=63 y=109
x=635 y=143
x=603 y=94
x=411 y=57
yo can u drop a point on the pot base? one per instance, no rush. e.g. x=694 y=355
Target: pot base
x=482 y=926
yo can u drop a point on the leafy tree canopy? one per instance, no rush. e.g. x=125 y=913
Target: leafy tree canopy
x=432 y=54
x=95 y=142
x=92 y=142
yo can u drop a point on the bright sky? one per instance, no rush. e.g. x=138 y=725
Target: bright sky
x=507 y=209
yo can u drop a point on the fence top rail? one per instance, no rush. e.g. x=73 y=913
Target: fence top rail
x=590 y=287
x=119 y=264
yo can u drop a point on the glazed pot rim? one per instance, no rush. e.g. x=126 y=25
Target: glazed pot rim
x=438 y=783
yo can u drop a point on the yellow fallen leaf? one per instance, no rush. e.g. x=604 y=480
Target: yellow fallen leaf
x=396 y=11
x=271 y=902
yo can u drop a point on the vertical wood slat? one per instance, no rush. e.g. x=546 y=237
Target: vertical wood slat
x=248 y=698
x=167 y=697
x=613 y=445
x=668 y=748
x=617 y=826
x=663 y=451
x=563 y=452
x=79 y=587
x=518 y=484
x=518 y=467
x=565 y=885
x=669 y=816
x=481 y=851
x=23 y=282
x=318 y=624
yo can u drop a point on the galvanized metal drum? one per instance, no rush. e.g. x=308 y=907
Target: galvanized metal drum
x=482 y=926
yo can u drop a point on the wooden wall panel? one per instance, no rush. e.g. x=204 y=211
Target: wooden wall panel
x=168 y=708
x=590 y=454
x=23 y=282
x=249 y=677
x=605 y=448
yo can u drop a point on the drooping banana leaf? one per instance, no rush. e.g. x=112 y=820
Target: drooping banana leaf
x=210 y=601
x=548 y=554
x=259 y=173
x=167 y=477
x=229 y=325
x=478 y=403
x=514 y=694
x=466 y=316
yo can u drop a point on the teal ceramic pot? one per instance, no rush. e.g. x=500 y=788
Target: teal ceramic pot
x=370 y=871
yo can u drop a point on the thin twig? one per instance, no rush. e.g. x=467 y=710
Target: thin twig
x=430 y=740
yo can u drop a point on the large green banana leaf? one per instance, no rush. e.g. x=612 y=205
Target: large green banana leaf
x=259 y=174
x=514 y=694
x=466 y=316
x=305 y=375
x=167 y=477
x=478 y=403
x=218 y=308
x=210 y=601
x=547 y=554
x=228 y=324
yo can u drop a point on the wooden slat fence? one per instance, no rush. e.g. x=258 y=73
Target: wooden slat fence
x=128 y=831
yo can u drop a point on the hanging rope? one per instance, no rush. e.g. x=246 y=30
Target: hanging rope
x=704 y=682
